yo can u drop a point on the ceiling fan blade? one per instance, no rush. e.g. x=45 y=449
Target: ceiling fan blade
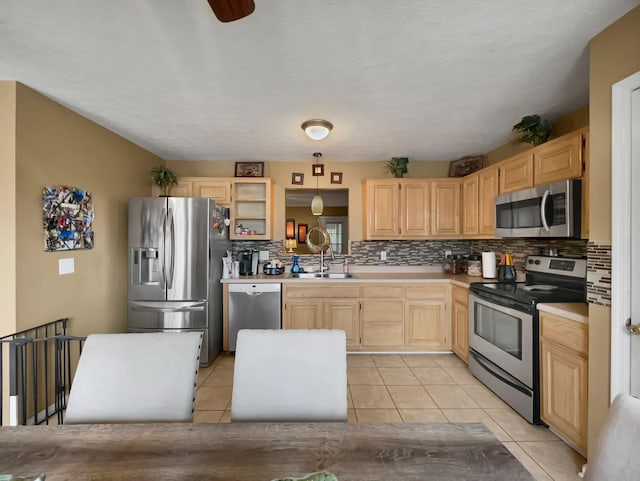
x=230 y=10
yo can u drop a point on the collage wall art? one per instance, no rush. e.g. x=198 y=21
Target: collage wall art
x=67 y=218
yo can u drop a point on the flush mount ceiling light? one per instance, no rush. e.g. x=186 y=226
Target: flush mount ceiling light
x=316 y=129
x=317 y=205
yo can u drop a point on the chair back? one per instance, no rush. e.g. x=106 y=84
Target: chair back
x=616 y=455
x=135 y=377
x=290 y=375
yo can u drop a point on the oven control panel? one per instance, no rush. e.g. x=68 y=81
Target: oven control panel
x=565 y=266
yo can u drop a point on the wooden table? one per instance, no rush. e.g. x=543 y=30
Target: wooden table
x=260 y=452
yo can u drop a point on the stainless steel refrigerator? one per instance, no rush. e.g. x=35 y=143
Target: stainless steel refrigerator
x=175 y=251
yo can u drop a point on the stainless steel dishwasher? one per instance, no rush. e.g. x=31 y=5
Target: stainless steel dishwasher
x=253 y=306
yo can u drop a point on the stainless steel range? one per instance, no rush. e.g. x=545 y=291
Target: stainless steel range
x=504 y=328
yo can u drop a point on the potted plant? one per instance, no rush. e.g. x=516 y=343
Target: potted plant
x=534 y=129
x=397 y=166
x=164 y=179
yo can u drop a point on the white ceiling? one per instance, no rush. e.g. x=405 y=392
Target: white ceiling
x=431 y=79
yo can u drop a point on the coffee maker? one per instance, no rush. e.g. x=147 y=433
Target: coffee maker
x=248 y=260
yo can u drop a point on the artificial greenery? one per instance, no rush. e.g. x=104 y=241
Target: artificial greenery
x=164 y=179
x=534 y=129
x=397 y=166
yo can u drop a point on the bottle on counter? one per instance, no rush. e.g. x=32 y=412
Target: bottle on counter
x=295 y=267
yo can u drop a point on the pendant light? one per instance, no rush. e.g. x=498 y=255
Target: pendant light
x=317 y=205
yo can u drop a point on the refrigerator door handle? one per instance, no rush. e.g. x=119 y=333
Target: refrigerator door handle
x=171 y=249
x=137 y=307
x=161 y=251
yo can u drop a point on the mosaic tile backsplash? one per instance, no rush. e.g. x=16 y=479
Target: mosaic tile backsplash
x=599 y=273
x=431 y=252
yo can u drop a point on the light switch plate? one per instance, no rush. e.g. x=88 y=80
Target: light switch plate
x=263 y=256
x=66 y=266
x=383 y=255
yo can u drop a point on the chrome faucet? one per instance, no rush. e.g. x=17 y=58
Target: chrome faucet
x=322 y=267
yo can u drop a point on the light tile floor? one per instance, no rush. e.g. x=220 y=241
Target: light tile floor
x=417 y=388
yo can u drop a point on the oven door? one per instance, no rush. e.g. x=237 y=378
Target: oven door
x=504 y=336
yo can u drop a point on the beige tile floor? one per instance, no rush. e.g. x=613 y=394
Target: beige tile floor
x=417 y=388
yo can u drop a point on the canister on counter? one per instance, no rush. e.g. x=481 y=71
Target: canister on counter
x=474 y=265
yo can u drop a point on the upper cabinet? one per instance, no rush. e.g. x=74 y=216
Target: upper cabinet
x=558 y=159
x=214 y=188
x=446 y=207
x=478 y=199
x=252 y=209
x=516 y=173
x=411 y=208
x=396 y=209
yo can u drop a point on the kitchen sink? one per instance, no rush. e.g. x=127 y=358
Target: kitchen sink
x=323 y=275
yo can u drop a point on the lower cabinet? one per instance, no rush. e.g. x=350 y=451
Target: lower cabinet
x=383 y=316
x=332 y=307
x=564 y=377
x=427 y=324
x=379 y=317
x=460 y=322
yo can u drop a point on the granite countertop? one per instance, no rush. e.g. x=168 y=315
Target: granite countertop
x=578 y=311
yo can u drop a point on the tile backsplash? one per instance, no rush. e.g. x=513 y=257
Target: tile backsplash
x=431 y=252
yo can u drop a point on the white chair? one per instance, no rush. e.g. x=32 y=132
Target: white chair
x=290 y=375
x=616 y=455
x=130 y=378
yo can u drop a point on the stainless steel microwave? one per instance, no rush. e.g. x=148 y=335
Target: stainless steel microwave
x=551 y=210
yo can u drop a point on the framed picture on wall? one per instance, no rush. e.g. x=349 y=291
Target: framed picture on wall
x=318 y=169
x=336 y=177
x=297 y=179
x=466 y=165
x=249 y=169
x=302 y=233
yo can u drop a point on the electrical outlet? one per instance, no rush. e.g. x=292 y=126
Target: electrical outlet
x=447 y=253
x=383 y=255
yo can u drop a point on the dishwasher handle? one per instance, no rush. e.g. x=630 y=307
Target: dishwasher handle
x=254 y=289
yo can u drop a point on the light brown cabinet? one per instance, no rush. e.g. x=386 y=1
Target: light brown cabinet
x=427 y=324
x=218 y=189
x=184 y=188
x=564 y=347
x=396 y=209
x=478 y=203
x=412 y=208
x=382 y=316
x=252 y=209
x=470 y=205
x=516 y=173
x=460 y=322
x=446 y=208
x=332 y=307
x=558 y=159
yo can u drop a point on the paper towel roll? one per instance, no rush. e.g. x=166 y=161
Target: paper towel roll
x=489 y=264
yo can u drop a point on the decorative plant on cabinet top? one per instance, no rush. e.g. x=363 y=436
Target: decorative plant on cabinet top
x=397 y=166
x=164 y=179
x=534 y=129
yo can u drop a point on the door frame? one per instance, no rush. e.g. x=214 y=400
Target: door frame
x=621 y=232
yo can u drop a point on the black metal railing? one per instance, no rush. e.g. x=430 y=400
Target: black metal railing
x=39 y=371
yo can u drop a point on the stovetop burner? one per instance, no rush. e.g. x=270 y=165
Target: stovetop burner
x=548 y=279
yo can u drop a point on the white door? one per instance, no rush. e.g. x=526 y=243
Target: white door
x=625 y=236
x=635 y=240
